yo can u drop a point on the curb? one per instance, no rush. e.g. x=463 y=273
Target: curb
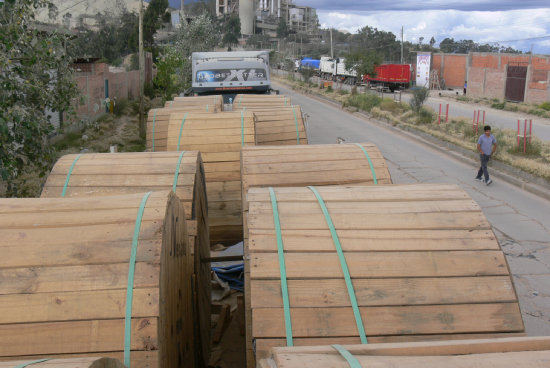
x=517 y=177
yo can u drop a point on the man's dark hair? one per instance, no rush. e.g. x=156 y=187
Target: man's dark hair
x=486 y=128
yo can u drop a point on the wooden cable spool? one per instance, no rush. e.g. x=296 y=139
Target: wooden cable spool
x=157 y=125
x=279 y=125
x=68 y=271
x=424 y=262
x=532 y=352
x=214 y=102
x=101 y=174
x=219 y=138
x=251 y=100
x=65 y=363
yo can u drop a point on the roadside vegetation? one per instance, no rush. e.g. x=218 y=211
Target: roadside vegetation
x=458 y=130
x=541 y=110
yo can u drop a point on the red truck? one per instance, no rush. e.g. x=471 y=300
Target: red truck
x=392 y=76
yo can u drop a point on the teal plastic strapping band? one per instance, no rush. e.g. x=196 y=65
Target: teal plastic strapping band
x=343 y=263
x=130 y=287
x=352 y=361
x=177 y=173
x=296 y=121
x=154 y=118
x=240 y=100
x=181 y=130
x=69 y=175
x=282 y=268
x=242 y=128
x=206 y=107
x=370 y=163
x=285 y=100
x=23 y=365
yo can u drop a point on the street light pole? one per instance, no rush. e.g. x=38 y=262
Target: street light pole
x=141 y=73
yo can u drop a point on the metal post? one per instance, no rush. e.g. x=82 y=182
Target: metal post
x=483 y=117
x=477 y=121
x=447 y=114
x=474 y=121
x=525 y=136
x=439 y=116
x=141 y=73
x=530 y=129
x=518 y=134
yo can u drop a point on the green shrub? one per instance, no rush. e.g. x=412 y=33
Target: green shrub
x=120 y=106
x=363 y=102
x=424 y=116
x=545 y=106
x=419 y=96
x=499 y=105
x=329 y=89
x=353 y=90
x=533 y=150
x=390 y=105
x=342 y=92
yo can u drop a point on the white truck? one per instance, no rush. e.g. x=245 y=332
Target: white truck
x=230 y=72
x=335 y=69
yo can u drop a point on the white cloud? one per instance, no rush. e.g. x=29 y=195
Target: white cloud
x=482 y=27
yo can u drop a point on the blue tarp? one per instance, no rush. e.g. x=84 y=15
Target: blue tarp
x=233 y=275
x=310 y=63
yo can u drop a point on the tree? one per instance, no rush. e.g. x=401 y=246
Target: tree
x=419 y=96
x=232 y=28
x=282 y=29
x=363 y=62
x=35 y=77
x=152 y=19
x=174 y=64
x=432 y=41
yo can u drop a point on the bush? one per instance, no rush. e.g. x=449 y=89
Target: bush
x=342 y=92
x=545 y=106
x=329 y=89
x=419 y=96
x=424 y=116
x=363 y=102
x=390 y=105
x=353 y=90
x=534 y=149
x=120 y=106
x=499 y=105
x=149 y=90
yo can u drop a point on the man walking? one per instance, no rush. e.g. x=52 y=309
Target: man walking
x=486 y=145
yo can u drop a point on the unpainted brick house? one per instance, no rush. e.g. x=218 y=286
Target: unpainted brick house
x=511 y=77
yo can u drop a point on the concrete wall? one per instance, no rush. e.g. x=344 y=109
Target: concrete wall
x=486 y=73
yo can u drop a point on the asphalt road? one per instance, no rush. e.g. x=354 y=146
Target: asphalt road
x=521 y=220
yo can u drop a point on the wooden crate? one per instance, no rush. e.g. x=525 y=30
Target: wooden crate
x=423 y=260
x=65 y=363
x=157 y=125
x=101 y=174
x=532 y=352
x=205 y=103
x=219 y=137
x=65 y=275
x=251 y=100
x=279 y=125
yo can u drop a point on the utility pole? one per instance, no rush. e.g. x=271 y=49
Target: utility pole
x=401 y=44
x=331 y=51
x=141 y=73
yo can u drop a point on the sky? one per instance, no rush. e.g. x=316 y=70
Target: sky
x=521 y=24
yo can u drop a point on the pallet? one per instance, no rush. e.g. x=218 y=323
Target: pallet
x=102 y=174
x=423 y=260
x=532 y=352
x=220 y=138
x=65 y=278
x=65 y=363
x=157 y=125
x=279 y=125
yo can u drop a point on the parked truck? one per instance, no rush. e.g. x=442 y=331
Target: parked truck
x=391 y=76
x=230 y=72
x=335 y=69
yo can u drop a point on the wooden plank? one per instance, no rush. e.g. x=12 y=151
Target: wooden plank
x=76 y=337
x=139 y=359
x=381 y=264
x=384 y=292
x=68 y=363
x=432 y=319
x=264 y=240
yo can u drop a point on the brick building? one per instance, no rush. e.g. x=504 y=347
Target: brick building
x=514 y=77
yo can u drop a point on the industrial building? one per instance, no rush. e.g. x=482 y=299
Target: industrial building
x=263 y=16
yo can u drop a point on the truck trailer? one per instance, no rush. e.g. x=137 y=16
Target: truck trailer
x=230 y=72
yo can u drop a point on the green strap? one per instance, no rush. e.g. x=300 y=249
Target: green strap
x=240 y=100
x=285 y=100
x=296 y=121
x=242 y=128
x=352 y=361
x=206 y=107
x=69 y=175
x=181 y=130
x=370 y=162
x=23 y=365
x=154 y=118
x=343 y=263
x=130 y=287
x=282 y=268
x=177 y=173
x=171 y=102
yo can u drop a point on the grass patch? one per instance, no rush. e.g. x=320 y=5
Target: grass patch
x=363 y=102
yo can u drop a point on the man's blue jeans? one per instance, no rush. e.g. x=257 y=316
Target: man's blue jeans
x=483 y=169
